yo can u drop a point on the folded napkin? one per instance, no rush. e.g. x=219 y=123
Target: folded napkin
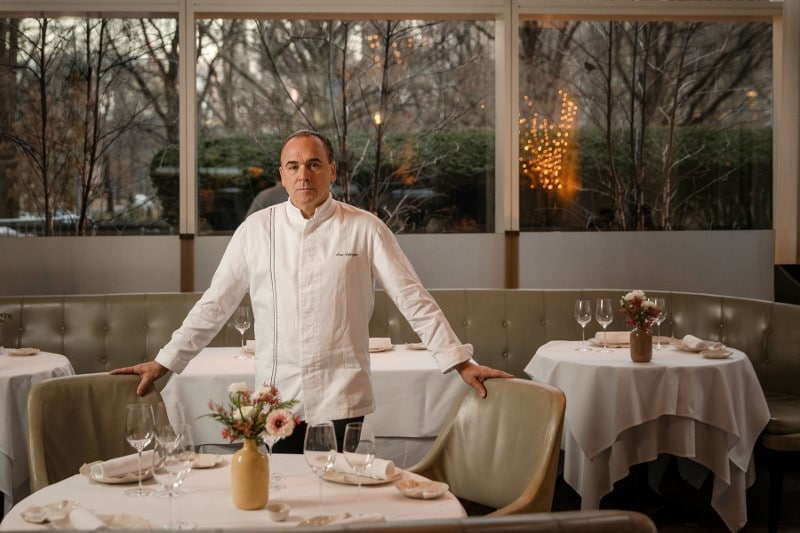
x=613 y=337
x=379 y=469
x=85 y=520
x=695 y=343
x=379 y=344
x=24 y=351
x=119 y=466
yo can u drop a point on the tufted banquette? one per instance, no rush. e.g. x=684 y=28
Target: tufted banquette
x=101 y=332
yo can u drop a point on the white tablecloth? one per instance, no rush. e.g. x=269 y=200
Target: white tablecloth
x=17 y=375
x=206 y=500
x=620 y=413
x=412 y=396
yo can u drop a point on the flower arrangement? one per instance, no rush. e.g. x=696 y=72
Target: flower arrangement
x=640 y=312
x=253 y=413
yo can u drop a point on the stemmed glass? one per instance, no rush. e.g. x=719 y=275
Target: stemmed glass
x=319 y=448
x=169 y=418
x=169 y=469
x=604 y=313
x=583 y=314
x=139 y=429
x=661 y=304
x=186 y=450
x=242 y=322
x=274 y=477
x=359 y=449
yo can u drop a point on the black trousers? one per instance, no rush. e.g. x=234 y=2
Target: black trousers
x=294 y=443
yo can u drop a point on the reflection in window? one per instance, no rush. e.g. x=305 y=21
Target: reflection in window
x=408 y=105
x=87 y=102
x=645 y=125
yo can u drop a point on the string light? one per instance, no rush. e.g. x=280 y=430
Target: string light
x=544 y=145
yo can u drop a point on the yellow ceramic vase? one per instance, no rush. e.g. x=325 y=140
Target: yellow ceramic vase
x=249 y=477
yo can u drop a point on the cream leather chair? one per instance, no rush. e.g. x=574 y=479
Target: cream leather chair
x=502 y=451
x=78 y=419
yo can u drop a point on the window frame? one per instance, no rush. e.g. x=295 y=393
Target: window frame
x=507 y=15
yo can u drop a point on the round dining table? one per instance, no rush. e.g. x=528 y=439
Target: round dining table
x=205 y=500
x=18 y=373
x=621 y=413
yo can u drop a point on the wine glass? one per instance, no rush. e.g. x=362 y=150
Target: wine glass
x=583 y=314
x=169 y=469
x=242 y=322
x=139 y=429
x=661 y=304
x=169 y=418
x=274 y=477
x=359 y=449
x=604 y=313
x=319 y=449
x=186 y=450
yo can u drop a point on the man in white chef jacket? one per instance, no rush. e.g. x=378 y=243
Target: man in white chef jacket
x=310 y=265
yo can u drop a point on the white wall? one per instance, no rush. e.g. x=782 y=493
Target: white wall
x=735 y=263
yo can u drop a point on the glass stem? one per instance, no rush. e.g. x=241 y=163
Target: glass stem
x=170 y=523
x=140 y=471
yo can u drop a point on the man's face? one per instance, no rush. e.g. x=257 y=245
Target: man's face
x=306 y=173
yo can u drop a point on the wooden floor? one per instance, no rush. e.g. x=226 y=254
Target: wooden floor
x=678 y=507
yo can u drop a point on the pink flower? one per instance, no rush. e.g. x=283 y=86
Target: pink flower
x=280 y=423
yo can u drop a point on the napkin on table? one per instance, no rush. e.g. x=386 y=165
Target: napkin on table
x=379 y=344
x=695 y=343
x=85 y=520
x=613 y=337
x=119 y=466
x=379 y=469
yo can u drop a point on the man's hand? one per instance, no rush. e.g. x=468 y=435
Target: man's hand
x=149 y=372
x=474 y=375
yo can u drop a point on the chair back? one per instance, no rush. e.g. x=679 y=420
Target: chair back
x=501 y=451
x=78 y=419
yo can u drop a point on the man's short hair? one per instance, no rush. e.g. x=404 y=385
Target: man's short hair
x=311 y=133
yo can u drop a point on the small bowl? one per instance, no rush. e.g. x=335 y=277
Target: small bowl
x=278 y=512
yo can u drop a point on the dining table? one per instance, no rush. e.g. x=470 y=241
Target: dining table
x=205 y=501
x=20 y=369
x=621 y=413
x=412 y=396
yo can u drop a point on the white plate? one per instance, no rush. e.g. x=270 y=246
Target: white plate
x=323 y=520
x=207 y=460
x=423 y=490
x=51 y=512
x=716 y=354
x=352 y=479
x=131 y=477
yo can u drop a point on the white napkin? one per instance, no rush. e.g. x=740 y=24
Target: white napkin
x=695 y=343
x=613 y=337
x=119 y=466
x=379 y=469
x=379 y=344
x=85 y=520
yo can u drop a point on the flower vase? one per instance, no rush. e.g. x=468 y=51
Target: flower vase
x=641 y=345
x=249 y=477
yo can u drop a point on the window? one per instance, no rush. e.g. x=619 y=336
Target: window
x=89 y=101
x=407 y=104
x=637 y=125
